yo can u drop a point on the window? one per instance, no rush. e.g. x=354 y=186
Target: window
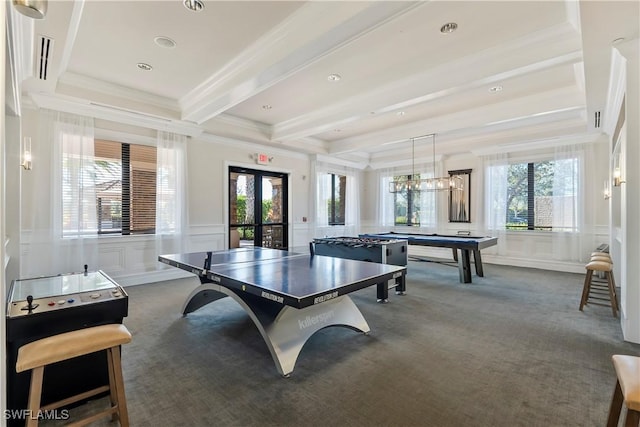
x=542 y=195
x=122 y=179
x=336 y=201
x=406 y=203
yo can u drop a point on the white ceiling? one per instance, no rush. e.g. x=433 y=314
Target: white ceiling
x=401 y=77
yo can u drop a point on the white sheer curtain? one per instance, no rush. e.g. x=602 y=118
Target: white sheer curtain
x=496 y=167
x=352 y=204
x=568 y=223
x=171 y=193
x=322 y=190
x=429 y=205
x=385 y=215
x=59 y=198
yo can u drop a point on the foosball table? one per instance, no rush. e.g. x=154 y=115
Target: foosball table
x=383 y=251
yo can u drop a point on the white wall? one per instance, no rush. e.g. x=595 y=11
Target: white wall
x=3 y=204
x=525 y=248
x=628 y=235
x=132 y=259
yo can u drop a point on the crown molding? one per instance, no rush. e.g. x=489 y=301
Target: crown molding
x=101 y=86
x=517 y=112
x=251 y=147
x=616 y=91
x=453 y=75
x=115 y=114
x=330 y=160
x=19 y=56
x=298 y=41
x=537 y=144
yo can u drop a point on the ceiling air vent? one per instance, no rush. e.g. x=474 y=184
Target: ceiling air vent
x=45 y=49
x=596 y=120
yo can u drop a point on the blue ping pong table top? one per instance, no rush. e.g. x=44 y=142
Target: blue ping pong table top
x=290 y=278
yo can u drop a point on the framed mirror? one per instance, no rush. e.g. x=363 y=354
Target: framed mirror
x=460 y=200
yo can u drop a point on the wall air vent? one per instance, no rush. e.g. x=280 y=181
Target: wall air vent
x=44 y=52
x=596 y=120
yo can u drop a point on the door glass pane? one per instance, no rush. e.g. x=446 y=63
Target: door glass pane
x=271 y=200
x=241 y=236
x=272 y=237
x=241 y=198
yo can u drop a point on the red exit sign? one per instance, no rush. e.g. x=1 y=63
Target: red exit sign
x=262 y=159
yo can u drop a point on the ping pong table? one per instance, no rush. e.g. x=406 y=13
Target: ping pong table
x=288 y=296
x=465 y=244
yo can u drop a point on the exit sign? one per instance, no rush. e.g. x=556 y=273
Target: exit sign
x=262 y=159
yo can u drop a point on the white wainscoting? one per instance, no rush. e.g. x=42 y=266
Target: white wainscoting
x=132 y=260
x=525 y=249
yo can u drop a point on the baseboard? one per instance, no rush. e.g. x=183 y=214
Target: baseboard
x=543 y=264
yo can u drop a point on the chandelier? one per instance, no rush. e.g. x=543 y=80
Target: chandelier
x=414 y=183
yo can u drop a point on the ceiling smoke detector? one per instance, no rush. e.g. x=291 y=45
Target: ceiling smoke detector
x=194 y=5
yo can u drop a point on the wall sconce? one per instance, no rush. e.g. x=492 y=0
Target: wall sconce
x=607 y=190
x=617 y=177
x=26 y=154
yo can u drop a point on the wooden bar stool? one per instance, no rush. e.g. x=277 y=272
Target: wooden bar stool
x=597 y=293
x=627 y=390
x=36 y=355
x=603 y=256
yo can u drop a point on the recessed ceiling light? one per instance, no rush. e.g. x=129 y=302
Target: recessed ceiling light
x=495 y=89
x=195 y=5
x=266 y=107
x=163 y=41
x=449 y=27
x=145 y=67
x=334 y=77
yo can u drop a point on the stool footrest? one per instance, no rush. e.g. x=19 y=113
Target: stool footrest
x=76 y=398
x=94 y=417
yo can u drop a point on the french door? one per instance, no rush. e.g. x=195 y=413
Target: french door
x=257 y=208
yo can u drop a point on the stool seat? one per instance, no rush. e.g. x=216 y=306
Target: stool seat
x=37 y=355
x=628 y=371
x=70 y=344
x=627 y=390
x=599 y=266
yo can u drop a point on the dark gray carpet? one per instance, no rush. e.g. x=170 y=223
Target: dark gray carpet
x=510 y=349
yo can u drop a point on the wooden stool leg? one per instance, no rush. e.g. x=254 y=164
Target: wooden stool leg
x=112 y=380
x=612 y=294
x=632 y=419
x=616 y=407
x=615 y=293
x=35 y=392
x=123 y=414
x=586 y=289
